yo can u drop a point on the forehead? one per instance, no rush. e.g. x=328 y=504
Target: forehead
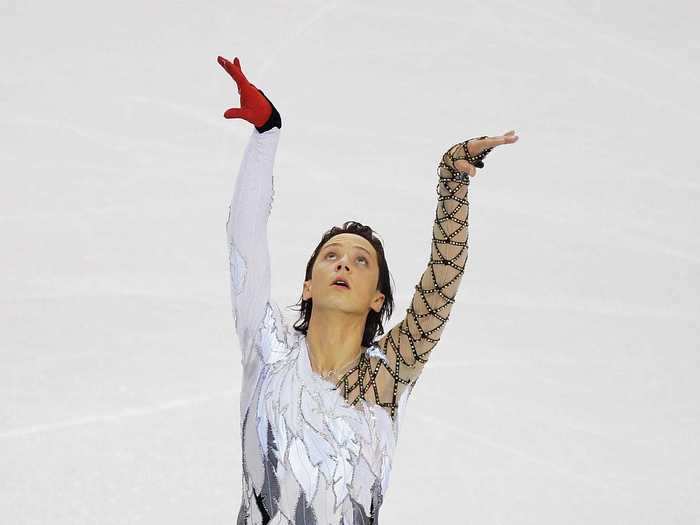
x=349 y=240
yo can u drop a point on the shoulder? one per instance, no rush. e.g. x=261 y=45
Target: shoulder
x=375 y=351
x=276 y=337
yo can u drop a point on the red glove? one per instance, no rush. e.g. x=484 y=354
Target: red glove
x=255 y=106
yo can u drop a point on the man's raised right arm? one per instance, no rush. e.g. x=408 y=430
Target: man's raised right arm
x=246 y=227
x=246 y=233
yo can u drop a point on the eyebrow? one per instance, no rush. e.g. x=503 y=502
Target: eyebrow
x=356 y=246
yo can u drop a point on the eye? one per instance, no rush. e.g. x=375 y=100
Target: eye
x=363 y=259
x=329 y=254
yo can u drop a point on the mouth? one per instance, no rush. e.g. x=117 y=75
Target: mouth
x=340 y=283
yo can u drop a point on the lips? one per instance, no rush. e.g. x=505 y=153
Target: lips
x=341 y=282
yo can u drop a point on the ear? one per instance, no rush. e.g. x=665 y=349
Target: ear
x=306 y=292
x=377 y=302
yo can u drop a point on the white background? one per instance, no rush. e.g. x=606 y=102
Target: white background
x=565 y=389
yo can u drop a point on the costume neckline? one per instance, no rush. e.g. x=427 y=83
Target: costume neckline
x=307 y=361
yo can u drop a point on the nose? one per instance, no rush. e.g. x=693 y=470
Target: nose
x=341 y=265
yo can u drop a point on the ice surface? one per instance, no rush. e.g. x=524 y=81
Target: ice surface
x=565 y=389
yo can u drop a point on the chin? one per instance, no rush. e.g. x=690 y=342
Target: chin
x=343 y=304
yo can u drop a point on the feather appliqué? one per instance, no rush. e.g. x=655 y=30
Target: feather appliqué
x=377 y=500
x=375 y=351
x=238 y=268
x=243 y=515
x=270 y=491
x=304 y=514
x=303 y=469
x=359 y=516
x=319 y=457
x=273 y=336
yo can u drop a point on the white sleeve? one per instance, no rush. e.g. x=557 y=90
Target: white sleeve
x=246 y=232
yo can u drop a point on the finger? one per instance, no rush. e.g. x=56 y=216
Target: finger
x=228 y=67
x=239 y=70
x=234 y=70
x=510 y=137
x=236 y=113
x=224 y=63
x=476 y=146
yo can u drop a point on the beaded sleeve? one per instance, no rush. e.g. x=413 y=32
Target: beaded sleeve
x=387 y=377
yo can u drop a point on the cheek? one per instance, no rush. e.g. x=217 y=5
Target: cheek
x=369 y=282
x=320 y=273
x=320 y=270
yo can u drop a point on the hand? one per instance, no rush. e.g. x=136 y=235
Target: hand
x=476 y=146
x=255 y=108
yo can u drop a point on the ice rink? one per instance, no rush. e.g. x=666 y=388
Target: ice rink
x=565 y=389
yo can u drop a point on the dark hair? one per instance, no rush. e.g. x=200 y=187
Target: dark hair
x=373 y=324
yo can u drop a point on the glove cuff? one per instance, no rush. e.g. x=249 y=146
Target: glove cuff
x=275 y=120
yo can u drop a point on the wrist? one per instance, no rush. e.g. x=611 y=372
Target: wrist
x=274 y=120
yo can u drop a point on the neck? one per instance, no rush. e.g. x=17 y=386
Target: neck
x=334 y=339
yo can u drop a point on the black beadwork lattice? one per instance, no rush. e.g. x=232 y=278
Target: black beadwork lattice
x=382 y=382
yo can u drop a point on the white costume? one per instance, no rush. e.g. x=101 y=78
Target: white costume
x=311 y=454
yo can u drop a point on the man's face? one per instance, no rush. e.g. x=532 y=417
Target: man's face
x=352 y=258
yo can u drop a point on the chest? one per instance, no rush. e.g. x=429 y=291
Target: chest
x=313 y=428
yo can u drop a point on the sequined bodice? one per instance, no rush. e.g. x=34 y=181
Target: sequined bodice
x=306 y=450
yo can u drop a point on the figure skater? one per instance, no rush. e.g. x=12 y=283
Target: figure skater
x=321 y=400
